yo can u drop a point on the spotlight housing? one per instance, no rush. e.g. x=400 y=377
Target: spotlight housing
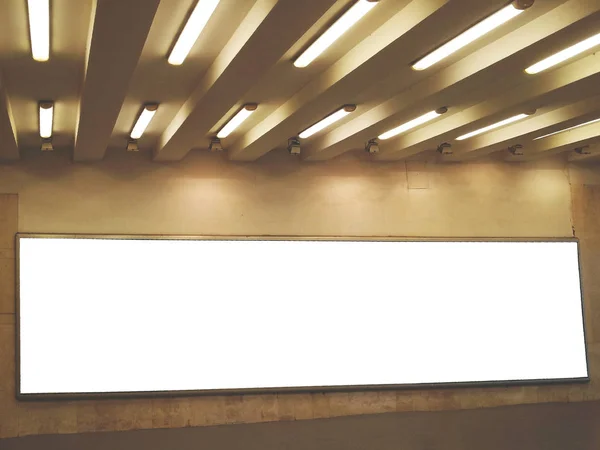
x=444 y=148
x=215 y=145
x=47 y=145
x=294 y=146
x=516 y=150
x=372 y=146
x=132 y=145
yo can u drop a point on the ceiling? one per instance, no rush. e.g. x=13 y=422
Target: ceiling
x=109 y=57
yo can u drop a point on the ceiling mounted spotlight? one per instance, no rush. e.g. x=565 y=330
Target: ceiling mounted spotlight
x=343 y=24
x=475 y=32
x=584 y=150
x=39 y=28
x=215 y=145
x=237 y=120
x=414 y=123
x=516 y=150
x=496 y=125
x=372 y=146
x=47 y=145
x=191 y=31
x=444 y=148
x=330 y=119
x=294 y=146
x=143 y=120
x=132 y=145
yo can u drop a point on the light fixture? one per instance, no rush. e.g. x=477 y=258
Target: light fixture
x=567 y=129
x=132 y=145
x=565 y=54
x=143 y=120
x=39 y=28
x=294 y=146
x=191 y=31
x=414 y=123
x=445 y=148
x=332 y=118
x=372 y=146
x=47 y=145
x=215 y=145
x=46 y=119
x=516 y=150
x=475 y=32
x=495 y=125
x=237 y=120
x=343 y=24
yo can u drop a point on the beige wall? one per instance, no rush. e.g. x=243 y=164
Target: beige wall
x=279 y=195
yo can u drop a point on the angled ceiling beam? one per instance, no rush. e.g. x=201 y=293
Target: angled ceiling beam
x=9 y=148
x=330 y=88
x=523 y=131
x=560 y=143
x=253 y=50
x=529 y=92
x=118 y=35
x=385 y=116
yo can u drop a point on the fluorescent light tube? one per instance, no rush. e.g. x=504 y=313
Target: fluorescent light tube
x=332 y=118
x=567 y=129
x=143 y=121
x=237 y=120
x=46 y=119
x=39 y=28
x=413 y=123
x=475 y=32
x=493 y=126
x=343 y=24
x=565 y=54
x=194 y=26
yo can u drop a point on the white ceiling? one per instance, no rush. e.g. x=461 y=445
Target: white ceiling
x=109 y=57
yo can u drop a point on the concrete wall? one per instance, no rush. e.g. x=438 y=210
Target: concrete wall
x=347 y=197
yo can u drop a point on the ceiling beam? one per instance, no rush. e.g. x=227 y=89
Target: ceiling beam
x=523 y=131
x=560 y=143
x=9 y=148
x=328 y=90
x=530 y=93
x=446 y=84
x=117 y=38
x=265 y=35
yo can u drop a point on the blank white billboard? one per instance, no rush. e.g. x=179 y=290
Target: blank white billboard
x=101 y=315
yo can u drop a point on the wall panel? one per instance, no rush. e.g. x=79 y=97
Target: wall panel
x=278 y=195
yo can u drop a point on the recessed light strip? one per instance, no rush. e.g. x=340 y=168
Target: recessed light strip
x=414 y=123
x=567 y=129
x=46 y=119
x=191 y=31
x=333 y=33
x=475 y=32
x=39 y=28
x=330 y=119
x=237 y=120
x=494 y=126
x=565 y=54
x=143 y=120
